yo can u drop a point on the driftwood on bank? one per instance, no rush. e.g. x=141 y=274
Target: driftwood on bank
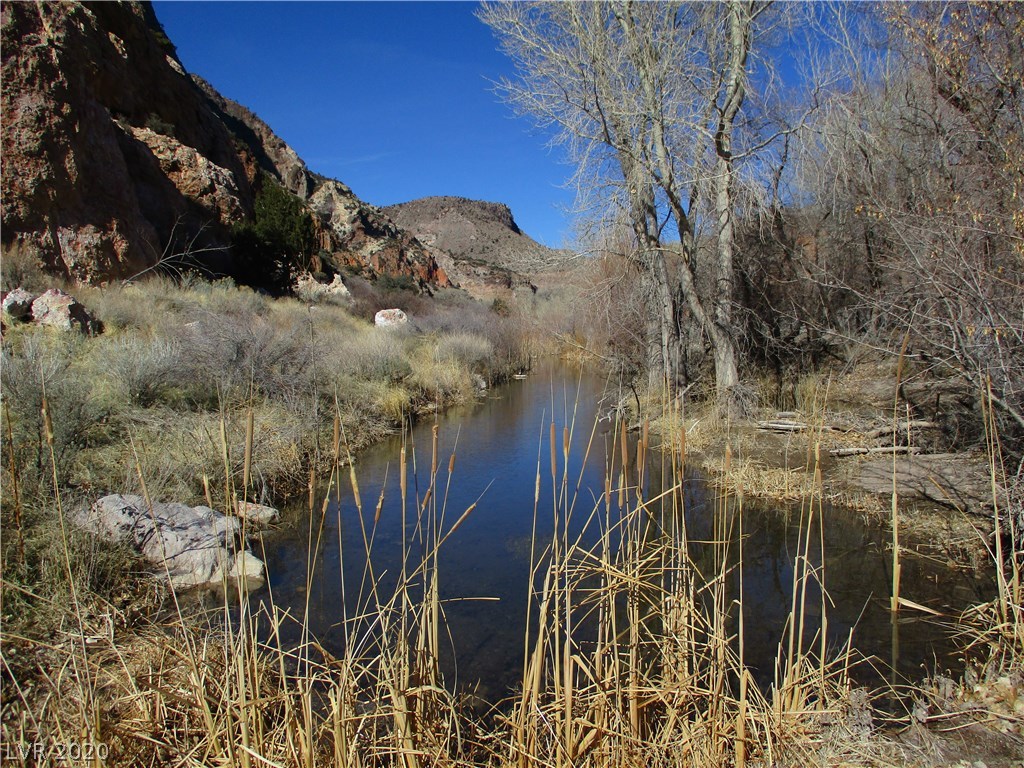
x=888 y=449
x=791 y=425
x=901 y=428
x=785 y=425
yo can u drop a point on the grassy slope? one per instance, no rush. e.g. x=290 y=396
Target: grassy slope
x=154 y=404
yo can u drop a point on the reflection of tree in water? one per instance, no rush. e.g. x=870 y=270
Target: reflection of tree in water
x=856 y=573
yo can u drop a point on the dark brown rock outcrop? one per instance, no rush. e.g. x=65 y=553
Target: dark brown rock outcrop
x=83 y=192
x=268 y=149
x=115 y=158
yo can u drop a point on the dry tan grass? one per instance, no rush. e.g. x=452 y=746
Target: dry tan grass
x=662 y=681
x=655 y=685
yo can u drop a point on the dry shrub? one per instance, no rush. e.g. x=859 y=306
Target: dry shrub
x=378 y=355
x=239 y=353
x=610 y=320
x=144 y=371
x=467 y=350
x=38 y=363
x=442 y=381
x=21 y=269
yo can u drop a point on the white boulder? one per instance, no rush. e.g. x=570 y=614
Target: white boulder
x=390 y=318
x=190 y=545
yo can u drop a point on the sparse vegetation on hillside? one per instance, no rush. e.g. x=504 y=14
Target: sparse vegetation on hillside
x=141 y=407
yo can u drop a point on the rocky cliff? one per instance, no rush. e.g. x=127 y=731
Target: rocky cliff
x=478 y=243
x=115 y=159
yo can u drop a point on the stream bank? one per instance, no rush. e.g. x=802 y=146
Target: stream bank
x=498 y=453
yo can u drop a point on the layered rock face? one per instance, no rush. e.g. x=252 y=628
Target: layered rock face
x=360 y=236
x=114 y=157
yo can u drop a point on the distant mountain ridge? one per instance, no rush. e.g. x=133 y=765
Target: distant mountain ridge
x=478 y=243
x=114 y=158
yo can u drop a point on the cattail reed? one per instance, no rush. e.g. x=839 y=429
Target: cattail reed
x=554 y=459
x=18 y=524
x=247 y=462
x=47 y=423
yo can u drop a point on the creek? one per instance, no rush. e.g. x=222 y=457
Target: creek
x=485 y=565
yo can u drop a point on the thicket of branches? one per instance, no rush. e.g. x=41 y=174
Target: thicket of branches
x=773 y=223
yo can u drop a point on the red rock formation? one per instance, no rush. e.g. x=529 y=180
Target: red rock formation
x=82 y=193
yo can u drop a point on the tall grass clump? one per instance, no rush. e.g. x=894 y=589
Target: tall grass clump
x=636 y=656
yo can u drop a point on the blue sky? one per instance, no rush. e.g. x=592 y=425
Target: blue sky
x=392 y=98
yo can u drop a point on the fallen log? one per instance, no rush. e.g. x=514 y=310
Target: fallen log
x=900 y=428
x=781 y=425
x=887 y=449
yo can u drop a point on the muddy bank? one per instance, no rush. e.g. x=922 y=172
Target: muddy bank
x=942 y=509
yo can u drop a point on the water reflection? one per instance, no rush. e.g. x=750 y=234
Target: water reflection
x=501 y=446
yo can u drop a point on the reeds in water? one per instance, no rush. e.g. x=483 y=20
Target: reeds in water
x=634 y=654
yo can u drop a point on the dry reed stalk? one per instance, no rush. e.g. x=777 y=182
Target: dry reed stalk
x=18 y=512
x=247 y=461
x=88 y=705
x=225 y=459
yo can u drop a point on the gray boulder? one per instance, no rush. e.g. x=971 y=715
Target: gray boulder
x=60 y=310
x=18 y=304
x=190 y=545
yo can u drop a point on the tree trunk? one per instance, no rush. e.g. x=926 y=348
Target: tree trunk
x=726 y=371
x=671 y=340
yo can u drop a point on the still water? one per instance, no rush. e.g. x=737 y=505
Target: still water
x=485 y=565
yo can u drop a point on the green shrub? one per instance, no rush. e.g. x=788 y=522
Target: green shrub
x=157 y=124
x=278 y=240
x=397 y=283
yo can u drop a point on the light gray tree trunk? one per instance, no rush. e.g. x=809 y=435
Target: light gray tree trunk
x=655 y=88
x=738 y=41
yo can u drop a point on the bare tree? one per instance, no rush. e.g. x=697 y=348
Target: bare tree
x=652 y=100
